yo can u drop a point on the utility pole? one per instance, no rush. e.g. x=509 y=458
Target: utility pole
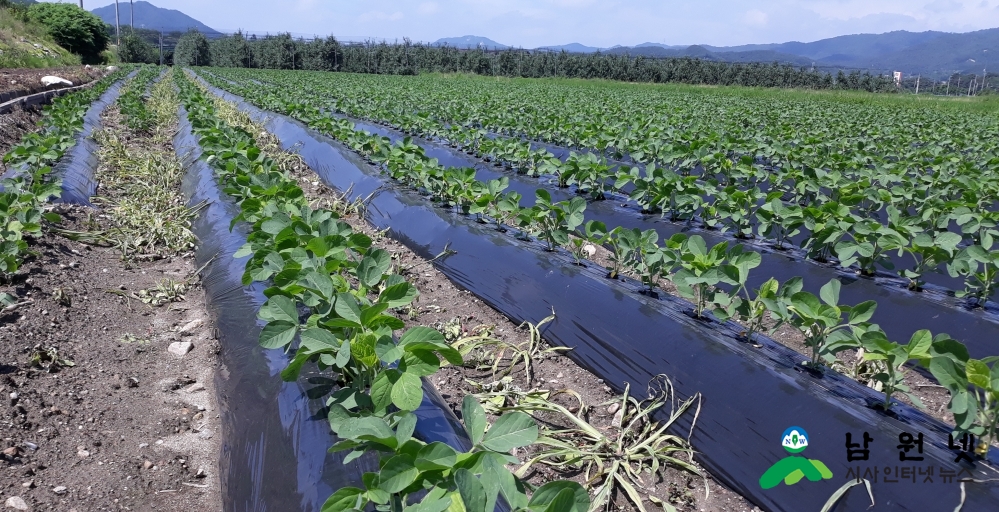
x=131 y=12
x=81 y=4
x=948 y=87
x=917 y=83
x=161 y=47
x=117 y=26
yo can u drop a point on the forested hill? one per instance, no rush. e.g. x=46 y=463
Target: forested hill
x=149 y=16
x=928 y=53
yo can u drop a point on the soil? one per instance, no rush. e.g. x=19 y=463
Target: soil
x=97 y=413
x=446 y=307
x=129 y=425
x=15 y=83
x=13 y=126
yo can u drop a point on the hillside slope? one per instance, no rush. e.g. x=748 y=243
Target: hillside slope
x=28 y=45
x=949 y=53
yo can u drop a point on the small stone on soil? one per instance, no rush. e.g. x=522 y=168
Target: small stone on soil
x=16 y=503
x=180 y=348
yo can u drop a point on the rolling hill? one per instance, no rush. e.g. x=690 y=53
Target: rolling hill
x=935 y=54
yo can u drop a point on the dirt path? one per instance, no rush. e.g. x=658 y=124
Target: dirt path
x=106 y=373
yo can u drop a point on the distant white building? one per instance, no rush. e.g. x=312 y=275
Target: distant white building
x=898 y=78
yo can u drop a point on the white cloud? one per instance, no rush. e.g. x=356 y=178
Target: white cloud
x=755 y=17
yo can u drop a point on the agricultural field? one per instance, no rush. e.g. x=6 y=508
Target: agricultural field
x=242 y=289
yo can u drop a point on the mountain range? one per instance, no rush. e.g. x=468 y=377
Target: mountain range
x=931 y=53
x=151 y=17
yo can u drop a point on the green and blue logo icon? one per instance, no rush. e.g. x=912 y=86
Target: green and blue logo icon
x=793 y=468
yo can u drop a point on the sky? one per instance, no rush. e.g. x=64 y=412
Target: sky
x=601 y=23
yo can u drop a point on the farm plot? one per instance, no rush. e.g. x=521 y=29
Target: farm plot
x=98 y=414
x=822 y=174
x=939 y=310
x=687 y=256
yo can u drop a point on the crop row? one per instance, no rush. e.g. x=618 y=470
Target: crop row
x=132 y=102
x=698 y=271
x=859 y=220
x=312 y=260
x=28 y=186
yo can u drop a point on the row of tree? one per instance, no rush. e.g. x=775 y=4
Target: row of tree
x=285 y=52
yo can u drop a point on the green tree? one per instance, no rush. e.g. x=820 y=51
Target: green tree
x=192 y=50
x=134 y=49
x=73 y=28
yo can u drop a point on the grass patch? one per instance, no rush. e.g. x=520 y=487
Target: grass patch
x=17 y=45
x=141 y=178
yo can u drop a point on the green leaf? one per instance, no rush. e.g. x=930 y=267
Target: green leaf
x=548 y=493
x=398 y=295
x=381 y=389
x=696 y=246
x=431 y=503
x=473 y=494
x=344 y=499
x=373 y=266
x=474 y=417
x=278 y=334
x=436 y=456
x=420 y=363
x=388 y=352
x=397 y=473
x=830 y=292
x=422 y=334
x=948 y=374
x=862 y=312
x=319 y=339
x=368 y=428
x=450 y=355
x=407 y=392
x=978 y=373
x=319 y=283
x=343 y=355
x=319 y=246
x=291 y=372
x=346 y=307
x=495 y=473
x=512 y=430
x=279 y=308
x=919 y=344
x=563 y=502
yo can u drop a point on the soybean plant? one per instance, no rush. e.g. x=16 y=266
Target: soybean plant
x=556 y=220
x=980 y=269
x=822 y=323
x=894 y=356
